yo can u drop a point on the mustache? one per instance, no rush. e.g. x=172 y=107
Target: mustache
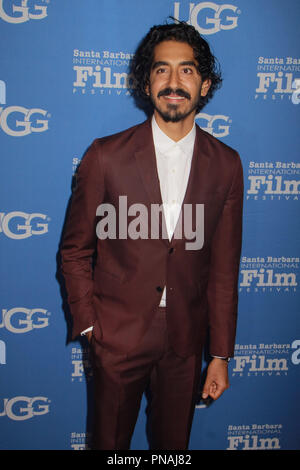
x=178 y=92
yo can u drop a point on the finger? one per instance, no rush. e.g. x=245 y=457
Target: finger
x=206 y=390
x=218 y=391
x=209 y=389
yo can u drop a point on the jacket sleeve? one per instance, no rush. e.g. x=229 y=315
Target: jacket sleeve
x=222 y=289
x=80 y=240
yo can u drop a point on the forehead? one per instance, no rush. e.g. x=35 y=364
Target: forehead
x=173 y=52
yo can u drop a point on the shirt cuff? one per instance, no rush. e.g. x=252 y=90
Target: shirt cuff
x=85 y=331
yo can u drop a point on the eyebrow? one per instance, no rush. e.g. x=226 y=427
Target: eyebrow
x=185 y=62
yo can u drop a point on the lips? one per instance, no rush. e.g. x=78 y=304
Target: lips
x=174 y=97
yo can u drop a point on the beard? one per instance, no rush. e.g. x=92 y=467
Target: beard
x=172 y=114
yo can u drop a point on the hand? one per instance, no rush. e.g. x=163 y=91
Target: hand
x=216 y=380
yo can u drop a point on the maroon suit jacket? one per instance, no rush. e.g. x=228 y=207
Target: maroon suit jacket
x=119 y=294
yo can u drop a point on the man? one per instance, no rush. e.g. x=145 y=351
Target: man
x=149 y=299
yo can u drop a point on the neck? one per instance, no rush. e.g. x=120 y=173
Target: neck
x=175 y=130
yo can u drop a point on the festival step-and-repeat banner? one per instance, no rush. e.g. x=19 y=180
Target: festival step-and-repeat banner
x=63 y=82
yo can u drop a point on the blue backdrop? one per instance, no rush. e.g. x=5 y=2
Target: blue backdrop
x=63 y=83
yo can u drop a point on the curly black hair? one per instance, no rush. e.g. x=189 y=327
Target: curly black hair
x=141 y=64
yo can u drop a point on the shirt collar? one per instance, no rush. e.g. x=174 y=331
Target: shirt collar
x=163 y=143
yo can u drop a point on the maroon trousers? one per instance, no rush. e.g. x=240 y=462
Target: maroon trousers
x=121 y=379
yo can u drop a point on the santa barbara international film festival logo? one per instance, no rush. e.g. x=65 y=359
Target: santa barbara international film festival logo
x=208 y=17
x=278 y=79
x=101 y=72
x=274 y=275
x=265 y=359
x=22 y=408
x=19 y=225
x=81 y=365
x=21 y=11
x=254 y=436
x=80 y=440
x=273 y=181
x=18 y=121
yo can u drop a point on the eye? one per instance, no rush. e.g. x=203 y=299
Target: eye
x=161 y=70
x=187 y=70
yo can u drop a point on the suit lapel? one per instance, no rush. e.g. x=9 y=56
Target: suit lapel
x=146 y=163
x=198 y=178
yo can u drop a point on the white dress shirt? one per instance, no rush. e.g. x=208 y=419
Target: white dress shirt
x=173 y=161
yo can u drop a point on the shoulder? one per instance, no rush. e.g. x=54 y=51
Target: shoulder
x=223 y=158
x=122 y=138
x=225 y=162
x=214 y=146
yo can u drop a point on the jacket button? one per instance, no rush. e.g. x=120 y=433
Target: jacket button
x=171 y=250
x=159 y=289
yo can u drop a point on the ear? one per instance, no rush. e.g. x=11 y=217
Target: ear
x=205 y=87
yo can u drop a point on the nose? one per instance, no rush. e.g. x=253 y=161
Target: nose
x=173 y=79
